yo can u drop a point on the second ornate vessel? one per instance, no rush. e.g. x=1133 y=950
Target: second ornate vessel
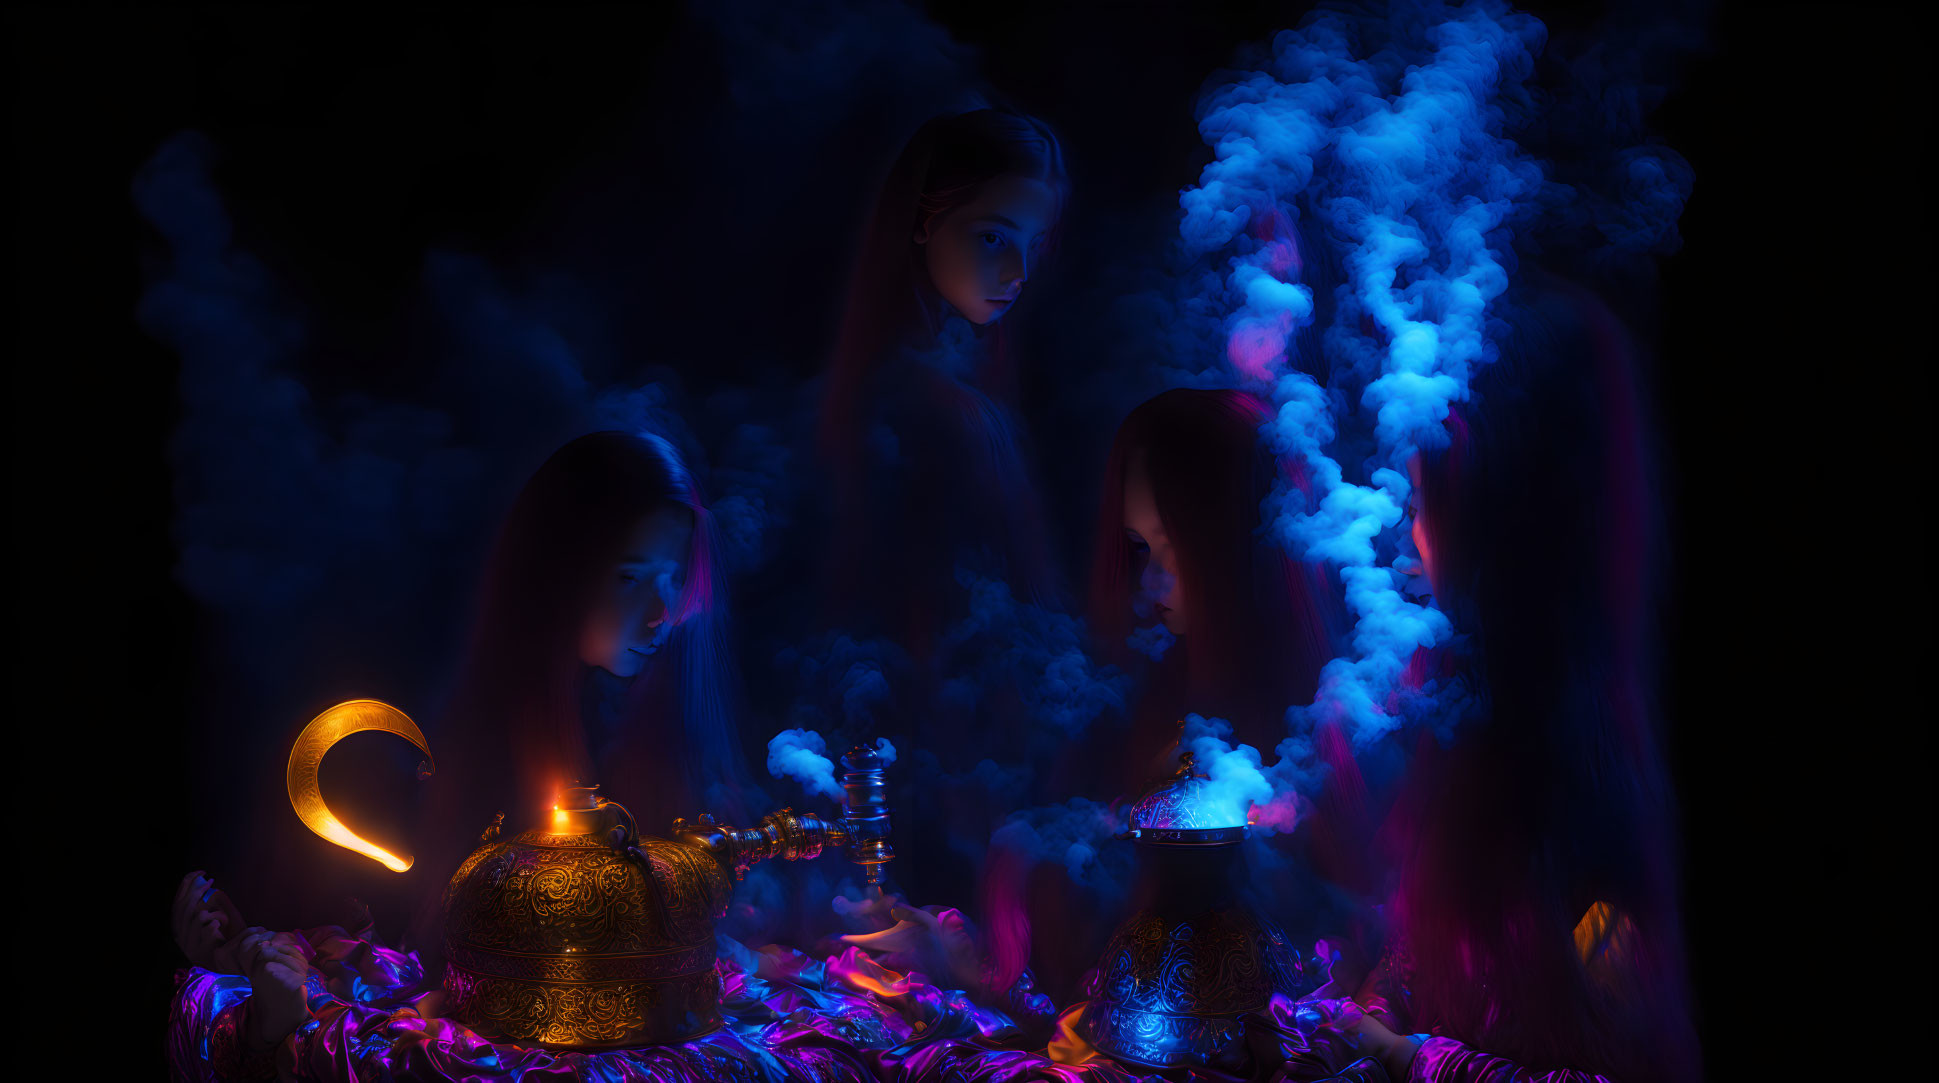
x=1179 y=976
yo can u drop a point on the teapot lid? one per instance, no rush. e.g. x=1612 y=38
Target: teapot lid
x=1188 y=810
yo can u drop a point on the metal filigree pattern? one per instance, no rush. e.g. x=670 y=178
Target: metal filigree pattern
x=1210 y=964
x=1184 y=803
x=1172 y=992
x=526 y=896
x=586 y=968
x=694 y=892
x=560 y=940
x=1160 y=1040
x=586 y=1016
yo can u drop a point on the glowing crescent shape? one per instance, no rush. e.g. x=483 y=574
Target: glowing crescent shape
x=325 y=730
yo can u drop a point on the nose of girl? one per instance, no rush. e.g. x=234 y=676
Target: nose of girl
x=1016 y=271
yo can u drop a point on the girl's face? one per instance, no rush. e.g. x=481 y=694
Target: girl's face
x=627 y=620
x=1151 y=549
x=979 y=255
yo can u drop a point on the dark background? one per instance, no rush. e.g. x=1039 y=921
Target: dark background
x=1790 y=368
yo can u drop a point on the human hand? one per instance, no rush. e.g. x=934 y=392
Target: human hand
x=1346 y=968
x=203 y=919
x=278 y=1001
x=1369 y=1031
x=871 y=912
x=939 y=945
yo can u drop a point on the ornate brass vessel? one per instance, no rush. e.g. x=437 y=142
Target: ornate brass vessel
x=583 y=934
x=1178 y=977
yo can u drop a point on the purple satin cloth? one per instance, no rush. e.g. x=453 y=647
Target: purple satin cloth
x=1444 y=1060
x=788 y=1017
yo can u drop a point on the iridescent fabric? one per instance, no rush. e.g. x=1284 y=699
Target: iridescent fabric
x=789 y=1018
x=1444 y=1060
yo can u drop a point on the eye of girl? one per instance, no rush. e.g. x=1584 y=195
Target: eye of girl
x=991 y=239
x=1138 y=543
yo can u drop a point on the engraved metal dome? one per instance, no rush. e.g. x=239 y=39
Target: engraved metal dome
x=1187 y=810
x=556 y=937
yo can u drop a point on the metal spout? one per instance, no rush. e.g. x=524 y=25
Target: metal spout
x=795 y=836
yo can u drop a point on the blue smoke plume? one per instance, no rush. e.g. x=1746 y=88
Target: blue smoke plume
x=799 y=754
x=1388 y=138
x=802 y=756
x=1389 y=132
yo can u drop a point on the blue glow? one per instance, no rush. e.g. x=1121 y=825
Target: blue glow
x=1388 y=131
x=798 y=754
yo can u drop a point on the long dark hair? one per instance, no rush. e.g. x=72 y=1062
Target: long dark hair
x=1259 y=623
x=900 y=535
x=513 y=726
x=891 y=303
x=1558 y=798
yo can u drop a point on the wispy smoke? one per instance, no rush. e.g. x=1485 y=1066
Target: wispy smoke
x=1389 y=132
x=1032 y=651
x=1240 y=787
x=799 y=755
x=1076 y=835
x=1388 y=139
x=844 y=685
x=280 y=498
x=1151 y=641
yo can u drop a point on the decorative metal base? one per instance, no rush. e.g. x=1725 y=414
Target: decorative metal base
x=586 y=1016
x=1161 y=1039
x=1172 y=992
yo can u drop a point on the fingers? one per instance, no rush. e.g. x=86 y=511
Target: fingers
x=287 y=960
x=251 y=946
x=1316 y=1012
x=919 y=917
x=182 y=889
x=186 y=896
x=284 y=973
x=865 y=940
x=898 y=931
x=902 y=936
x=219 y=899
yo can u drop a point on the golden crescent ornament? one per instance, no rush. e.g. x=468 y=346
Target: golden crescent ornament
x=325 y=730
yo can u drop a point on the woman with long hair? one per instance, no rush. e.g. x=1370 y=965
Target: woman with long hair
x=1239 y=630
x=916 y=428
x=598 y=654
x=599 y=649
x=1534 y=924
x=1238 y=627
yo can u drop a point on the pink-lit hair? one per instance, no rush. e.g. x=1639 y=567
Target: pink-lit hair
x=1558 y=797
x=513 y=726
